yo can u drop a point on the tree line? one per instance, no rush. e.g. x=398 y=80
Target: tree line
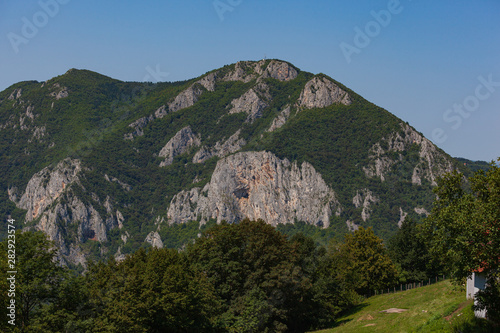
x=249 y=277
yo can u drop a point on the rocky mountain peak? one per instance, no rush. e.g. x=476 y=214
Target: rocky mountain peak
x=247 y=71
x=279 y=70
x=321 y=92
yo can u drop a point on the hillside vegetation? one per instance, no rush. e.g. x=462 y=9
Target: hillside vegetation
x=439 y=307
x=104 y=167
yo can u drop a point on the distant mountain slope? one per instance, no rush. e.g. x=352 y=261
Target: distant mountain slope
x=473 y=165
x=104 y=166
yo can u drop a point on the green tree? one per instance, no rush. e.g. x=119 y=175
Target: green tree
x=38 y=276
x=255 y=270
x=363 y=260
x=69 y=311
x=332 y=292
x=155 y=291
x=465 y=229
x=409 y=249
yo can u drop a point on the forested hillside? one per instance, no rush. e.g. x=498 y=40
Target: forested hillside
x=106 y=167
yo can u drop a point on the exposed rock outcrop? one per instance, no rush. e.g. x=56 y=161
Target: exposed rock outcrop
x=364 y=198
x=27 y=115
x=15 y=94
x=243 y=71
x=69 y=223
x=58 y=91
x=67 y=220
x=402 y=216
x=258 y=185
x=247 y=71
x=161 y=112
x=280 y=120
x=421 y=211
x=321 y=92
x=119 y=256
x=154 y=239
x=209 y=81
x=280 y=70
x=47 y=185
x=186 y=98
x=231 y=145
x=432 y=163
x=191 y=95
x=351 y=226
x=182 y=141
x=249 y=103
x=125 y=186
x=140 y=123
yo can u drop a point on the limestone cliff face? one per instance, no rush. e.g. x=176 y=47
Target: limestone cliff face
x=89 y=210
x=280 y=120
x=46 y=186
x=258 y=185
x=321 y=92
x=247 y=71
x=192 y=94
x=220 y=149
x=249 y=103
x=208 y=81
x=154 y=239
x=280 y=70
x=71 y=222
x=186 y=98
x=402 y=217
x=364 y=198
x=421 y=211
x=138 y=125
x=179 y=144
x=15 y=94
x=431 y=165
x=54 y=208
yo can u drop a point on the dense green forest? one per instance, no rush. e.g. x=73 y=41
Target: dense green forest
x=245 y=277
x=250 y=277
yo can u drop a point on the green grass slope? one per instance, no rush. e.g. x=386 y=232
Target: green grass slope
x=440 y=307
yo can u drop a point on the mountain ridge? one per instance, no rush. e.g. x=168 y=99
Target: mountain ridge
x=146 y=152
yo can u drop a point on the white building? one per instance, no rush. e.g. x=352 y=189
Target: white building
x=474 y=284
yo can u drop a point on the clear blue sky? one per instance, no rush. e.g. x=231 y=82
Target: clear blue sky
x=424 y=63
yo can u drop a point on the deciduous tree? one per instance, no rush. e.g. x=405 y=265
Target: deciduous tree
x=363 y=259
x=465 y=228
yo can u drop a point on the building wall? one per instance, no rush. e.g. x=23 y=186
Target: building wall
x=474 y=284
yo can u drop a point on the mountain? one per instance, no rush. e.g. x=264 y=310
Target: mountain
x=474 y=165
x=105 y=167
